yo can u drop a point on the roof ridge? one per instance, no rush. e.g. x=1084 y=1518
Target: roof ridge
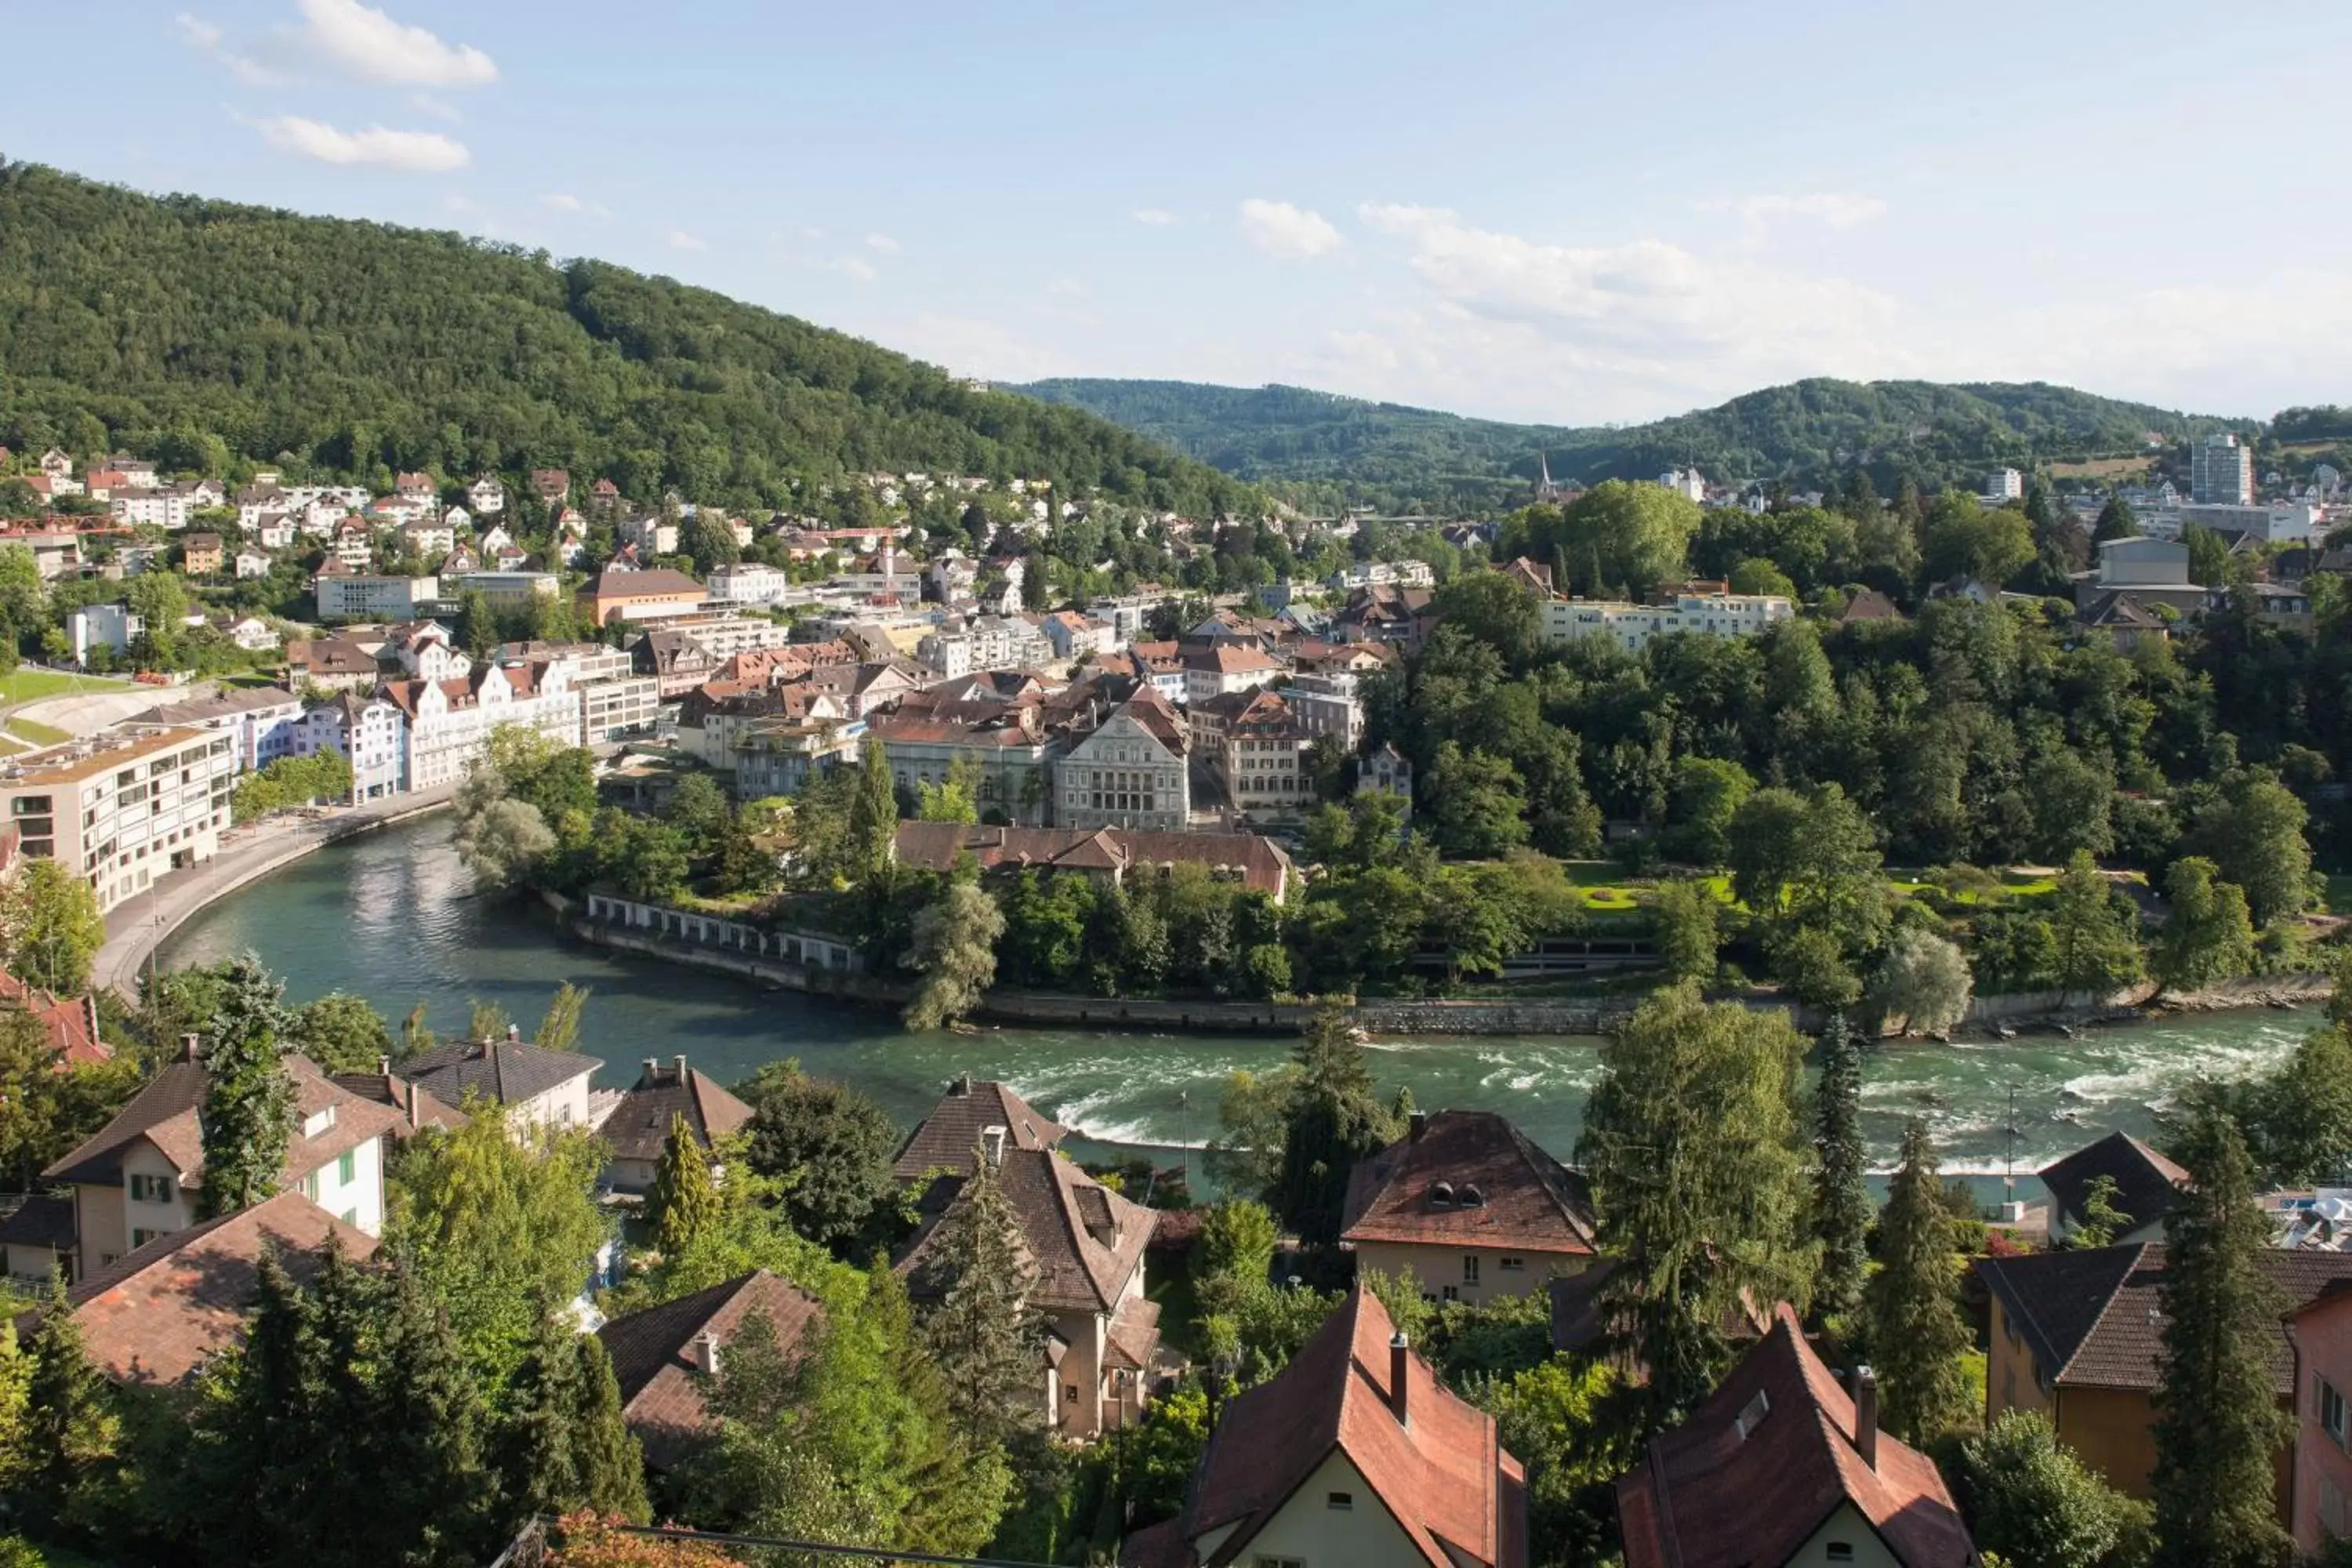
x=2115 y=1292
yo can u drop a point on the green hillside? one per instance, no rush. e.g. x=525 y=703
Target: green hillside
x=1341 y=450
x=177 y=322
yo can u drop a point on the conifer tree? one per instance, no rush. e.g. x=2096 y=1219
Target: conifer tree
x=248 y=1112
x=1333 y=1118
x=612 y=1467
x=2218 y=1425
x=431 y=1487
x=538 y=1460
x=684 y=1201
x=873 y=815
x=981 y=1329
x=1841 y=1202
x=1918 y=1333
x=72 y=1426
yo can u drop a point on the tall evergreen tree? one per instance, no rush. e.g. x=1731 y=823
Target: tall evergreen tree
x=248 y=1112
x=1694 y=1143
x=1333 y=1118
x=612 y=1469
x=981 y=1329
x=1917 y=1332
x=72 y=1424
x=1841 y=1202
x=2218 y=1425
x=684 y=1201
x=429 y=1501
x=539 y=1461
x=2117 y=520
x=873 y=815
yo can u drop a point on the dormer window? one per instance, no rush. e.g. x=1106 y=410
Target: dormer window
x=1440 y=1194
x=1472 y=1198
x=318 y=1122
x=1752 y=1414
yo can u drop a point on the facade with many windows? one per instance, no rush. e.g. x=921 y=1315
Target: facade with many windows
x=1123 y=775
x=120 y=814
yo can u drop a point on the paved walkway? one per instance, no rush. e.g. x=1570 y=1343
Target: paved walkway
x=139 y=925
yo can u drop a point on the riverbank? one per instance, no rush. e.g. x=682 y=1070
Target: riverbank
x=140 y=925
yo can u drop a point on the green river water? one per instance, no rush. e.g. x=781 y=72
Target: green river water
x=391 y=917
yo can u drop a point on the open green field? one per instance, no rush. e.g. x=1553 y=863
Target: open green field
x=1604 y=888
x=27 y=684
x=38 y=733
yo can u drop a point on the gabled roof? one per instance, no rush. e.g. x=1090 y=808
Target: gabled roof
x=1766 y=1461
x=2120 y=609
x=1442 y=1474
x=2146 y=1184
x=161 y=1312
x=638 y=1128
x=1529 y=1200
x=2095 y=1317
x=504 y=1071
x=650 y=582
x=71 y=1022
x=37 y=1219
x=164 y=1114
x=655 y=1362
x=416 y=1106
x=944 y=1139
x=1085 y=1241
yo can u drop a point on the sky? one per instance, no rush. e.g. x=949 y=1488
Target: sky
x=1559 y=211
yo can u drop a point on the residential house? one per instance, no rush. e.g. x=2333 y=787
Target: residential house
x=676 y=663
x=617 y=596
x=1223 y=668
x=487 y=496
x=133 y=1180
x=2122 y=622
x=56 y=465
x=119 y=813
x=2319 y=1332
x=1354 y=1455
x=1633 y=627
x=1074 y=635
x=1528 y=576
x=637 y=1129
x=109 y=627
x=201 y=555
x=1468 y=1207
x=2076 y=1335
x=69 y=1023
x=449 y=719
x=1107 y=854
x=748 y=582
x=1086 y=1244
x=331 y=664
x=164 y=509
x=428 y=537
x=157 y=1316
x=650 y=536
x=261 y=720
x=1783 y=1467
x=36 y=1239
x=1868 y=605
x=2146 y=1188
x=1261 y=754
x=1327 y=704
x=664 y=1357
x=962 y=1121
x=250 y=633
x=1011 y=750
x=1129 y=771
x=355 y=547
x=552 y=486
x=605 y=498
x=371 y=732
x=415 y=487
x=548 y=1089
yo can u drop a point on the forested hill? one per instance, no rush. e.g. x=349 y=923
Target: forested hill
x=366 y=349
x=1340 y=449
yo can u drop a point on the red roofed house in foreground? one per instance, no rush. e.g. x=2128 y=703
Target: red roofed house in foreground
x=1354 y=1454
x=1468 y=1207
x=1781 y=1466
x=663 y=1356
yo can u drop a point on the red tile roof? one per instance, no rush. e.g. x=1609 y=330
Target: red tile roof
x=1529 y=1200
x=939 y=846
x=639 y=1126
x=1442 y=1474
x=654 y=1354
x=944 y=1139
x=1085 y=1241
x=1767 y=1461
x=71 y=1022
x=161 y=1312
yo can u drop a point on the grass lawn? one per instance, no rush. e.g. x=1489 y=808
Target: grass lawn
x=27 y=684
x=39 y=733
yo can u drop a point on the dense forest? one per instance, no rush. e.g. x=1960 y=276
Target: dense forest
x=1332 y=450
x=325 y=346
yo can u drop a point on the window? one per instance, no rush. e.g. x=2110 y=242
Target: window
x=141 y=1237
x=151 y=1189
x=1262 y=1560
x=347 y=1167
x=1452 y=1293
x=1841 y=1552
x=1340 y=1500
x=1470 y=1269
x=2331 y=1412
x=1511 y=1265
x=1069 y=1394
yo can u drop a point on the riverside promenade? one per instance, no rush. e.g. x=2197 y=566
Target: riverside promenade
x=140 y=925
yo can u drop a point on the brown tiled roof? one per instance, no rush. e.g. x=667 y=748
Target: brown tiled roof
x=944 y=1139
x=38 y=1219
x=417 y=1107
x=654 y=583
x=175 y=1091
x=940 y=845
x=1870 y=605
x=330 y=656
x=1766 y=1461
x=1578 y=1321
x=1232 y=658
x=1085 y=1241
x=2095 y=1317
x=639 y=1126
x=2146 y=1184
x=1531 y=1202
x=71 y=1022
x=1442 y=1474
x=653 y=1357
x=503 y=1071
x=158 y=1313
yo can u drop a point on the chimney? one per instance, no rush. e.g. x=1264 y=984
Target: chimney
x=415 y=1111
x=960 y=1086
x=1865 y=1416
x=189 y=1047
x=384 y=1066
x=1418 y=1123
x=514 y=1033
x=652 y=1069
x=992 y=1143
x=1399 y=1368
x=678 y=1062
x=706 y=1353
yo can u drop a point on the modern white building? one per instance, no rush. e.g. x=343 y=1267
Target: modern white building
x=748 y=583
x=121 y=812
x=354 y=597
x=2004 y=485
x=1328 y=704
x=2221 y=471
x=373 y=736
x=506 y=589
x=1687 y=483
x=264 y=723
x=1633 y=625
x=166 y=508
x=109 y=626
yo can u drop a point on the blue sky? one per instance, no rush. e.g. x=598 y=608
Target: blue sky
x=1559 y=211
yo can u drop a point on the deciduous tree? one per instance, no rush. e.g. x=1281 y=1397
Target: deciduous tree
x=831 y=1144
x=954 y=950
x=2208 y=934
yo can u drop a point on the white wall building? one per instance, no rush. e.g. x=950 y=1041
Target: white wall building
x=372 y=598
x=1687 y=483
x=1633 y=625
x=102 y=625
x=2004 y=485
x=120 y=813
x=1123 y=775
x=2221 y=471
x=370 y=733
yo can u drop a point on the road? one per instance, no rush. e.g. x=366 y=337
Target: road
x=140 y=925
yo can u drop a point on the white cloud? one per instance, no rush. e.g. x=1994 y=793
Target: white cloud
x=415 y=152
x=681 y=240
x=1832 y=209
x=1287 y=233
x=208 y=41
x=1154 y=217
x=883 y=243
x=373 y=47
x=425 y=103
x=564 y=202
x=1066 y=289
x=855 y=266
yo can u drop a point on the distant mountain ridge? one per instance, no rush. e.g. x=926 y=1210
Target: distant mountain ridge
x=1344 y=450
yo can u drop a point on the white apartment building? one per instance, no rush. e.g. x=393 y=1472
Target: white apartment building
x=723 y=636
x=2004 y=485
x=450 y=705
x=988 y=642
x=373 y=736
x=2221 y=471
x=748 y=582
x=1381 y=574
x=1633 y=625
x=1123 y=775
x=264 y=723
x=1225 y=667
x=372 y=598
x=651 y=536
x=109 y=626
x=1686 y=483
x=121 y=812
x=1328 y=704
x=615 y=710
x=430 y=537
x=487 y=496
x=166 y=508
